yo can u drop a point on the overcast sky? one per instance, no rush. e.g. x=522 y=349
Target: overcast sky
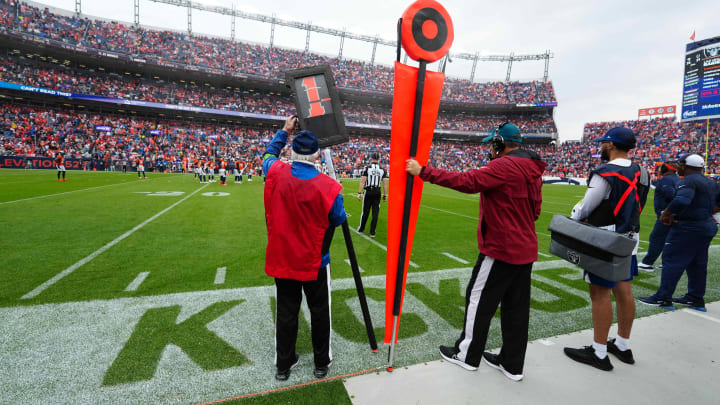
x=611 y=57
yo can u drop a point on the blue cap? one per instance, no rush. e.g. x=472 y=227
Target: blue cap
x=619 y=135
x=507 y=131
x=305 y=143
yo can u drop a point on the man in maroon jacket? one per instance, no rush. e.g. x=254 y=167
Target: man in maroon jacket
x=510 y=198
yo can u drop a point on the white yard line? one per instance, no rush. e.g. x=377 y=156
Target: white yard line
x=42 y=287
x=380 y=245
x=467 y=216
x=448 y=212
x=67 y=192
x=700 y=315
x=359 y=268
x=138 y=280
x=544 y=255
x=453 y=197
x=220 y=275
x=456 y=258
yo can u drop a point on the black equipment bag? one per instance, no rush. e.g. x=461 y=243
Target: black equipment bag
x=604 y=253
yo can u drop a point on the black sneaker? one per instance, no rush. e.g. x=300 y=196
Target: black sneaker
x=493 y=361
x=625 y=356
x=450 y=354
x=698 y=305
x=321 y=372
x=587 y=355
x=653 y=300
x=283 y=375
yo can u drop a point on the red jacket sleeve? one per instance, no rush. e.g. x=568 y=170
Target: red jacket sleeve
x=471 y=182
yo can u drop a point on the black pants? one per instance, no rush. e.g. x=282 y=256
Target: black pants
x=289 y=298
x=495 y=282
x=371 y=200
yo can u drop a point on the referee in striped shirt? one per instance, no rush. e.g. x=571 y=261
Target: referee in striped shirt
x=373 y=179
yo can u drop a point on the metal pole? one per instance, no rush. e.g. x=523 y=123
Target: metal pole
x=78 y=8
x=359 y=286
x=472 y=72
x=342 y=42
x=409 y=182
x=707 y=144
x=353 y=263
x=510 y=61
x=547 y=65
x=307 y=37
x=232 y=24
x=272 y=31
x=136 y=11
x=189 y=19
x=372 y=60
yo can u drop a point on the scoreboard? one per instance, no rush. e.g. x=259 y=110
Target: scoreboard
x=701 y=84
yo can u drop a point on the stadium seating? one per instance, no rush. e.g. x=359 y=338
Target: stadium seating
x=21 y=70
x=233 y=57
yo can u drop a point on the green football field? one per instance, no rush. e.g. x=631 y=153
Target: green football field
x=114 y=289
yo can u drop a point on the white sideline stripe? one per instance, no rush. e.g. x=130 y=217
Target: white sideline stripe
x=544 y=255
x=698 y=314
x=359 y=268
x=42 y=287
x=456 y=258
x=67 y=192
x=220 y=275
x=380 y=245
x=138 y=280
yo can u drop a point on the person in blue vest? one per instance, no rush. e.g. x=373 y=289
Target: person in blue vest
x=616 y=194
x=664 y=193
x=692 y=228
x=302 y=209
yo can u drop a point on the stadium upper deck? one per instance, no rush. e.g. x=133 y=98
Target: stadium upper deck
x=220 y=56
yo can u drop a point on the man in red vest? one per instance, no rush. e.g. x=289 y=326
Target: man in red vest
x=302 y=209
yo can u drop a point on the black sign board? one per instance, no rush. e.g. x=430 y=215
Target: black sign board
x=317 y=103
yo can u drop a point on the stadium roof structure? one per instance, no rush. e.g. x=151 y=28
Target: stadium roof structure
x=342 y=34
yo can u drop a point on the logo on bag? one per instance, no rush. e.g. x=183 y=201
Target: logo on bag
x=573 y=257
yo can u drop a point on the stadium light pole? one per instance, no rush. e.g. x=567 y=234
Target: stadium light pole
x=232 y=24
x=189 y=10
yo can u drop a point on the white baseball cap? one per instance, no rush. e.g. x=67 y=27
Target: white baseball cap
x=694 y=160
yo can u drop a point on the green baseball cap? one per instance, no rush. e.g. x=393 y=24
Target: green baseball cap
x=507 y=131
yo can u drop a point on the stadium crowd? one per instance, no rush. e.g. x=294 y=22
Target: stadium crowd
x=228 y=57
x=26 y=71
x=35 y=131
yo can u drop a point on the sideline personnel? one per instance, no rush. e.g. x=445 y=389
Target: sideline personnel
x=373 y=178
x=302 y=209
x=616 y=194
x=664 y=193
x=692 y=228
x=510 y=199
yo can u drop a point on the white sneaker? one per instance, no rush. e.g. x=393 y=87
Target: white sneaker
x=646 y=267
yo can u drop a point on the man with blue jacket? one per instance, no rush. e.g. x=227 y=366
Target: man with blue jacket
x=302 y=209
x=664 y=193
x=692 y=228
